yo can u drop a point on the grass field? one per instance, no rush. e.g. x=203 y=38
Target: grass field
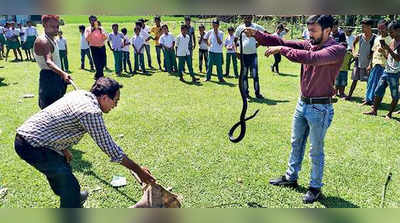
x=179 y=131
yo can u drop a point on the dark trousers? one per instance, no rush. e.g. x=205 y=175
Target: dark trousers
x=203 y=55
x=86 y=52
x=51 y=88
x=158 y=52
x=64 y=60
x=250 y=62
x=55 y=168
x=147 y=48
x=99 y=59
x=126 y=60
x=278 y=59
x=139 y=62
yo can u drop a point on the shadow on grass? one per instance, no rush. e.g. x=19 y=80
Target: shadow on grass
x=192 y=83
x=255 y=205
x=266 y=101
x=336 y=202
x=356 y=99
x=223 y=83
x=3 y=84
x=286 y=75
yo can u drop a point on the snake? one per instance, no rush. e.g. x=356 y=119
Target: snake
x=243 y=119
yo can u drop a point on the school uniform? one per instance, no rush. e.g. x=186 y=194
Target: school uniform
x=31 y=35
x=157 y=32
x=230 y=55
x=2 y=37
x=125 y=54
x=62 y=46
x=117 y=44
x=183 y=53
x=12 y=40
x=145 y=33
x=215 y=56
x=23 y=38
x=203 y=52
x=138 y=42
x=85 y=51
x=169 y=53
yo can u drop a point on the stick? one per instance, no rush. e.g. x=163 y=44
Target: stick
x=73 y=84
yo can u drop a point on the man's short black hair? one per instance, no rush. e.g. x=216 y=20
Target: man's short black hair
x=114 y=25
x=105 y=86
x=230 y=28
x=92 y=17
x=368 y=22
x=202 y=26
x=164 y=25
x=335 y=22
x=384 y=22
x=394 y=25
x=157 y=18
x=187 y=18
x=124 y=31
x=325 y=21
x=138 y=23
x=82 y=27
x=184 y=27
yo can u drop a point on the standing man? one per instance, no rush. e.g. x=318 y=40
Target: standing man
x=145 y=31
x=31 y=35
x=156 y=31
x=363 y=55
x=43 y=140
x=117 y=43
x=53 y=80
x=190 y=32
x=249 y=54
x=321 y=58
x=96 y=36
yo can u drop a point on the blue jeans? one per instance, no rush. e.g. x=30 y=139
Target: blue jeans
x=309 y=120
x=55 y=168
x=373 y=80
x=86 y=52
x=147 y=48
x=250 y=62
x=391 y=80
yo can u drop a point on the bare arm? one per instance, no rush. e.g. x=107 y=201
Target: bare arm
x=42 y=48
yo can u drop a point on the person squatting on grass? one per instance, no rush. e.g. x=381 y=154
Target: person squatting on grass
x=183 y=53
x=391 y=74
x=53 y=80
x=320 y=58
x=43 y=140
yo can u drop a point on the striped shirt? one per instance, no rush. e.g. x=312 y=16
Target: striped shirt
x=64 y=123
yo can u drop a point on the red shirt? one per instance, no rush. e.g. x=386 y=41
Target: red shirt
x=319 y=65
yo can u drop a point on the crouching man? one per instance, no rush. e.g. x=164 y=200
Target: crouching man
x=42 y=141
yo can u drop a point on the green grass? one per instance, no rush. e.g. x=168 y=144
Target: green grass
x=179 y=131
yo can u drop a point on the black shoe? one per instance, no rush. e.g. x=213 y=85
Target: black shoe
x=282 y=181
x=259 y=96
x=84 y=196
x=312 y=195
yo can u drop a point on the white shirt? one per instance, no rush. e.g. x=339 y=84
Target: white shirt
x=182 y=44
x=203 y=44
x=230 y=43
x=249 y=44
x=137 y=42
x=22 y=34
x=2 y=30
x=167 y=40
x=143 y=32
x=116 y=41
x=214 y=46
x=350 y=40
x=31 y=31
x=62 y=43
x=10 y=33
x=127 y=41
x=392 y=66
x=306 y=34
x=84 y=43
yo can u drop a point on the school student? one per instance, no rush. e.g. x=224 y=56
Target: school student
x=85 y=49
x=63 y=49
x=231 y=52
x=215 y=38
x=203 y=48
x=156 y=31
x=167 y=41
x=138 y=44
x=116 y=38
x=12 y=42
x=183 y=53
x=31 y=35
x=125 y=51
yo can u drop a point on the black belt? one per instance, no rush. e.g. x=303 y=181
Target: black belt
x=319 y=100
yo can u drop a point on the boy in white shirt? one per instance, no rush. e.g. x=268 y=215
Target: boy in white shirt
x=85 y=49
x=22 y=37
x=138 y=43
x=215 y=57
x=231 y=52
x=2 y=41
x=116 y=38
x=183 y=53
x=125 y=51
x=62 y=46
x=203 y=48
x=13 y=43
x=167 y=42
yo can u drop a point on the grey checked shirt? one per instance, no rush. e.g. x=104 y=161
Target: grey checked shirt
x=65 y=122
